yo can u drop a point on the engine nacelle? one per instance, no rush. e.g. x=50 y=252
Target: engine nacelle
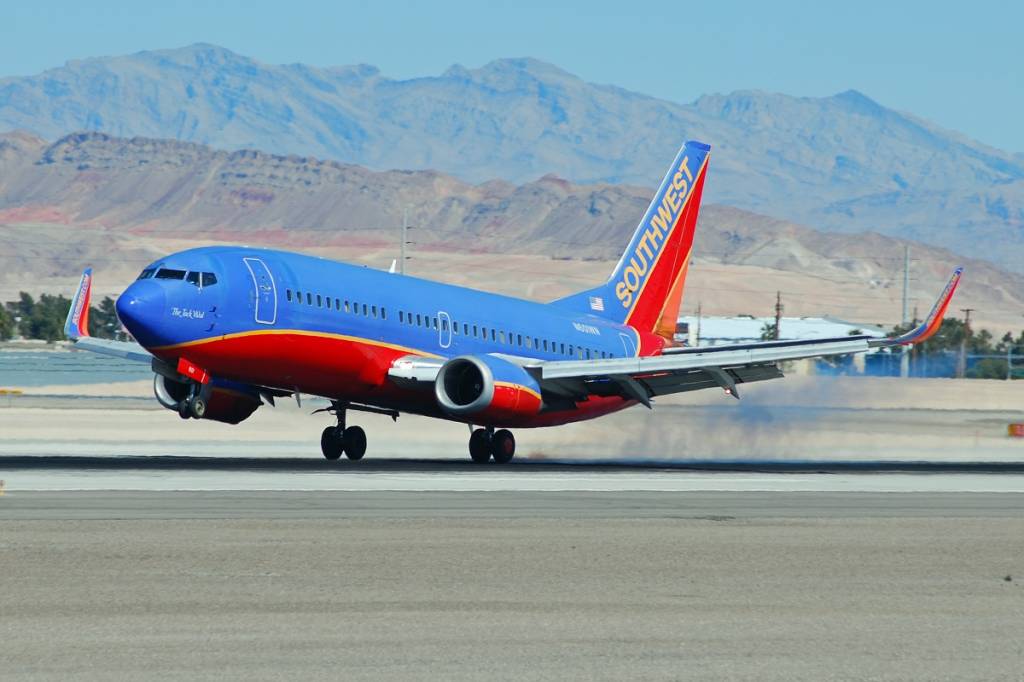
x=491 y=390
x=226 y=401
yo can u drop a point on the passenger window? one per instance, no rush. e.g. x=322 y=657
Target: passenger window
x=444 y=325
x=288 y=294
x=545 y=344
x=528 y=344
x=476 y=332
x=419 y=320
x=373 y=309
x=365 y=310
x=298 y=297
x=383 y=313
x=309 y=298
x=501 y=337
x=401 y=316
x=455 y=327
x=465 y=329
x=519 y=340
x=337 y=304
x=319 y=301
x=165 y=273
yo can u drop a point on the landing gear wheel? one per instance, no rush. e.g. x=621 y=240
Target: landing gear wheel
x=503 y=446
x=197 y=407
x=354 y=439
x=183 y=410
x=480 y=446
x=330 y=443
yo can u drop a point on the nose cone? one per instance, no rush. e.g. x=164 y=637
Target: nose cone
x=142 y=310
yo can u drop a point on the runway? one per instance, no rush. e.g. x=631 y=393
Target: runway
x=259 y=567
x=177 y=487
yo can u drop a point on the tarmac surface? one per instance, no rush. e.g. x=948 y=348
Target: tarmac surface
x=256 y=568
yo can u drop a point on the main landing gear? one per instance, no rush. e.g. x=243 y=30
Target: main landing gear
x=336 y=440
x=487 y=443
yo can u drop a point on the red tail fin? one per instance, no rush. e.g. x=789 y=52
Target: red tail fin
x=646 y=288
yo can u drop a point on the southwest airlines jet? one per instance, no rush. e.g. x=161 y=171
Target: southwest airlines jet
x=228 y=328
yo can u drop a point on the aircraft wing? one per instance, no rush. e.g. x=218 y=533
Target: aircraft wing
x=76 y=328
x=690 y=369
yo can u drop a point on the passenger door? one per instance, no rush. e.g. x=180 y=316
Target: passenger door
x=444 y=329
x=266 y=291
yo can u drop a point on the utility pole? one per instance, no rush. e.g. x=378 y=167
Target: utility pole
x=961 y=369
x=906 y=283
x=405 y=240
x=905 y=351
x=696 y=341
x=778 y=313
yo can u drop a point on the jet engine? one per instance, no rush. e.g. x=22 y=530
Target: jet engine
x=488 y=389
x=225 y=401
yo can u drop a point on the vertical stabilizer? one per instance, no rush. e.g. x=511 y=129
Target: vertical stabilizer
x=646 y=287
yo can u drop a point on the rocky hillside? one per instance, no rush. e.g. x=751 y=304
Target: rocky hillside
x=170 y=190
x=841 y=163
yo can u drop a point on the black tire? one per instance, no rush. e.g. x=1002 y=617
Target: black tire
x=354 y=439
x=480 y=446
x=503 y=446
x=330 y=443
x=197 y=407
x=183 y=410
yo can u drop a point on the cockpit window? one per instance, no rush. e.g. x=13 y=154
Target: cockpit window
x=147 y=273
x=166 y=273
x=201 y=279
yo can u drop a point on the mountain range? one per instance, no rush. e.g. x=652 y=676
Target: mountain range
x=97 y=199
x=842 y=163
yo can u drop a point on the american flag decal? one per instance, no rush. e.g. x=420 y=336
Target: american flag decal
x=597 y=303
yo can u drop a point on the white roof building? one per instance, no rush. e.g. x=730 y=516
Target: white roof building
x=718 y=331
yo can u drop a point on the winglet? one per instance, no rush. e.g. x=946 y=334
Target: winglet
x=77 y=324
x=927 y=329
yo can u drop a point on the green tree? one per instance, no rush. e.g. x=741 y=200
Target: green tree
x=768 y=331
x=6 y=324
x=46 y=317
x=988 y=368
x=103 y=321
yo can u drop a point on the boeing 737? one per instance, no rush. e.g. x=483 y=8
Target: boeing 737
x=229 y=328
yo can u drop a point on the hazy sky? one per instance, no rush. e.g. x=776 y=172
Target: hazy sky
x=959 y=64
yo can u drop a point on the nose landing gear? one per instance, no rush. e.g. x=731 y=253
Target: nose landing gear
x=487 y=443
x=193 y=406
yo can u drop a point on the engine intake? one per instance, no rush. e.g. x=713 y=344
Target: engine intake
x=489 y=388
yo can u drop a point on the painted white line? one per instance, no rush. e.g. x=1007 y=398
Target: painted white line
x=57 y=480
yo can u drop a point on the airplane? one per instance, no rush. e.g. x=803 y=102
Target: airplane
x=229 y=328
